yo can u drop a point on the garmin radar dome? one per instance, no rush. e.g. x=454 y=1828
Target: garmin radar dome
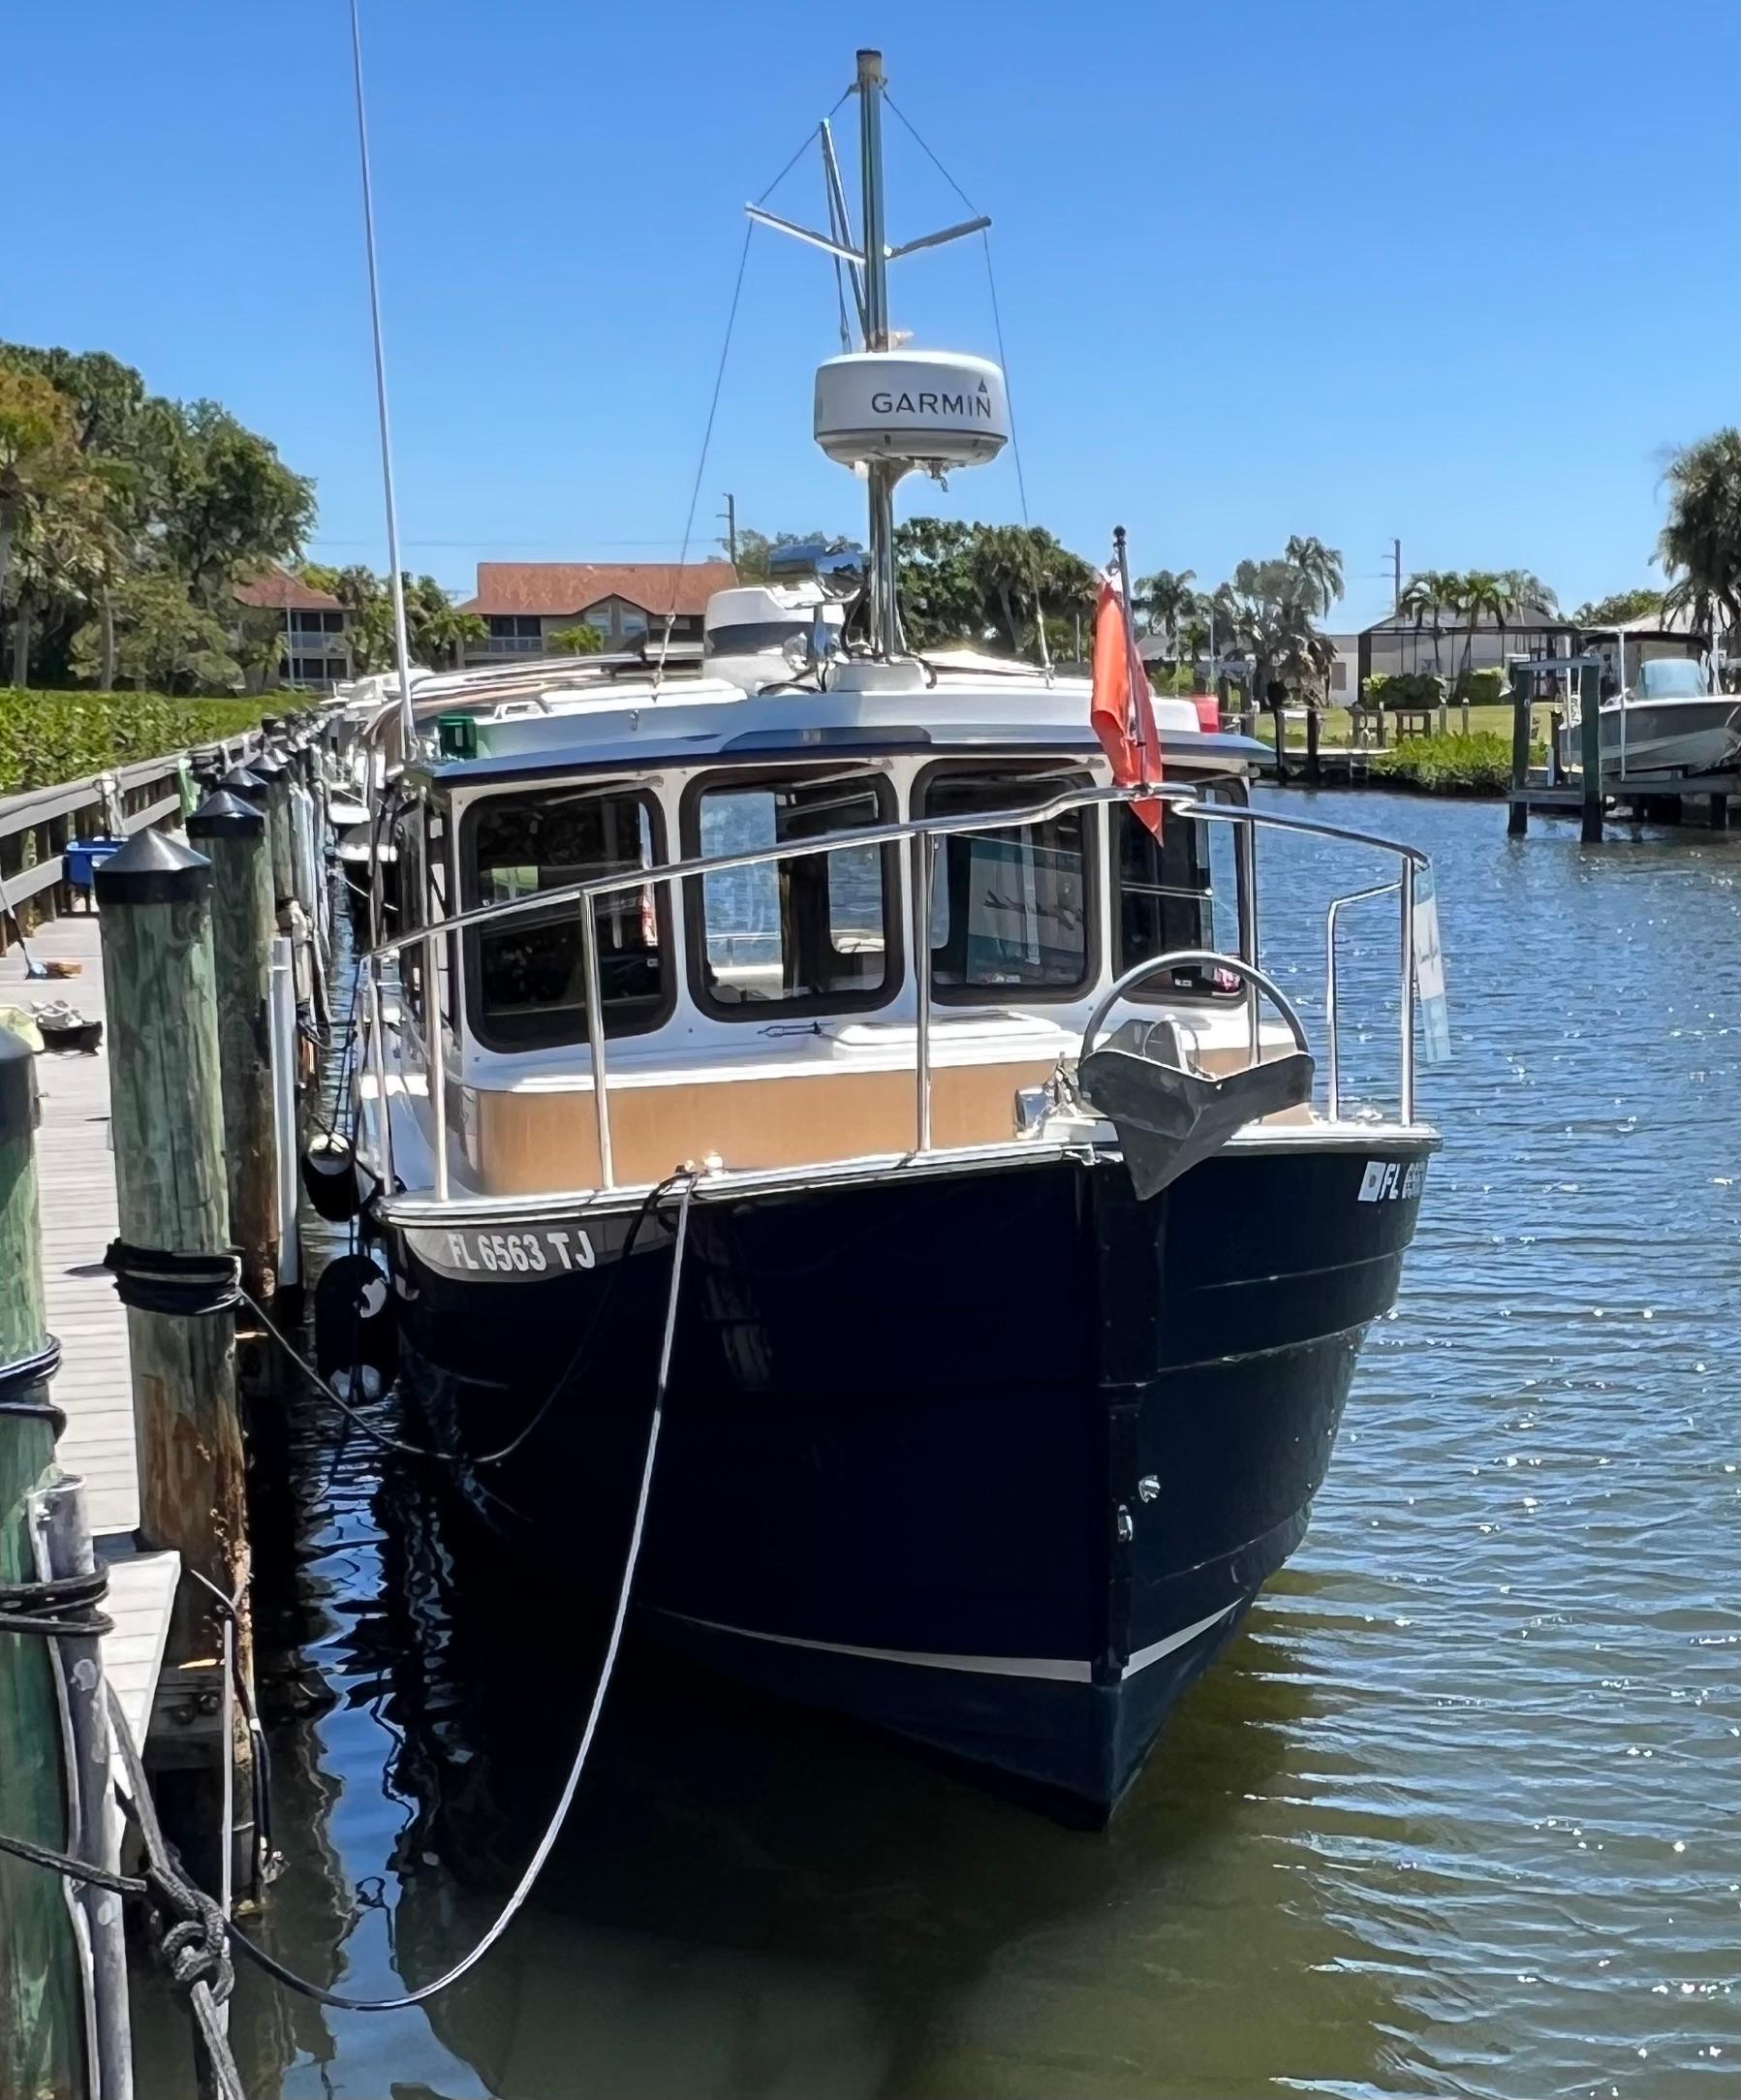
x=935 y=410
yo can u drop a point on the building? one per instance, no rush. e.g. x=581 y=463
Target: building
x=1401 y=643
x=316 y=646
x=523 y=604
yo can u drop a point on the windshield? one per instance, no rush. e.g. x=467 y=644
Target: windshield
x=1671 y=677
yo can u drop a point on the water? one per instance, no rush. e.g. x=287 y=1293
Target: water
x=1457 y=1813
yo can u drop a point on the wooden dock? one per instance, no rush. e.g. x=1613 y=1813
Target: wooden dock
x=77 y=1193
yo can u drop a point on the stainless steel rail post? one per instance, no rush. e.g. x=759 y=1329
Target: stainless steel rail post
x=435 y=1059
x=919 y=876
x=595 y=1041
x=1407 y=1002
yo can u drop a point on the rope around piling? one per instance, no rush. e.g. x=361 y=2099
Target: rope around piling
x=194 y=1938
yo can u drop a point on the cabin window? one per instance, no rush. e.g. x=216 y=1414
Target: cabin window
x=1179 y=891
x=1011 y=909
x=526 y=986
x=815 y=933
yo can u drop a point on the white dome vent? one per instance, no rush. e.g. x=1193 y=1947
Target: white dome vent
x=937 y=409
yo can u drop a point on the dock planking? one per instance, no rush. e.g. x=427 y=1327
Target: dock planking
x=76 y=1179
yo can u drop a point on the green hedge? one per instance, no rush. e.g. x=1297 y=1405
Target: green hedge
x=1480 y=763
x=1403 y=689
x=47 y=737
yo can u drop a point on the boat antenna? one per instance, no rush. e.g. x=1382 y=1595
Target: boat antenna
x=401 y=641
x=868 y=270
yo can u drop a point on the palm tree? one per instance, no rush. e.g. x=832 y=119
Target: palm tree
x=1428 y=595
x=1700 y=544
x=1520 y=591
x=1166 y=601
x=1320 y=565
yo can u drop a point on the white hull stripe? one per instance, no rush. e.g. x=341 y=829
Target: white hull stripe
x=1056 y=1669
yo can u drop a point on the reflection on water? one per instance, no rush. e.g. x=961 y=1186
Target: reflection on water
x=1456 y=1813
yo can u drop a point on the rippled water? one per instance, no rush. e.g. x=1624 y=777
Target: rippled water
x=1456 y=1814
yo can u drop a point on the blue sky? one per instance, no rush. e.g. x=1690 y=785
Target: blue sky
x=1355 y=269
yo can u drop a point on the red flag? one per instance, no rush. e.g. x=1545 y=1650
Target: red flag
x=1122 y=707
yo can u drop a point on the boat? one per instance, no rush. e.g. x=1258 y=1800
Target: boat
x=1026 y=1246
x=1661 y=713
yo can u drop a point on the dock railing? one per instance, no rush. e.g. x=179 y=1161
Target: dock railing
x=919 y=835
x=41 y=823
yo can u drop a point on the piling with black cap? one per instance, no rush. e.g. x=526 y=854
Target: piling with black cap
x=42 y=2034
x=166 y=1098
x=231 y=833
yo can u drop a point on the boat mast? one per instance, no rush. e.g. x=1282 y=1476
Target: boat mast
x=886 y=619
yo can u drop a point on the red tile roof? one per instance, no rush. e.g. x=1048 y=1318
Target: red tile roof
x=283 y=593
x=565 y=590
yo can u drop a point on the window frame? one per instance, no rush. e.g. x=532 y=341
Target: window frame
x=617 y=1028
x=1002 y=997
x=1233 y=791
x=744 y=780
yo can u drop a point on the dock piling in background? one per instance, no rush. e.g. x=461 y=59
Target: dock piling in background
x=1590 y=752
x=233 y=835
x=1518 y=817
x=42 y=2014
x=165 y=1094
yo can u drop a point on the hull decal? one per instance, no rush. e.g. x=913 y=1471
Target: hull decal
x=1055 y=1669
x=1153 y=1653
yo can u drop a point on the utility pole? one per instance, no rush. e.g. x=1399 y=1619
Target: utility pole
x=729 y=514
x=1396 y=573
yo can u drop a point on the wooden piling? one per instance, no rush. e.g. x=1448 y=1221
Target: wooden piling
x=1314 y=774
x=233 y=835
x=1518 y=817
x=1590 y=751
x=42 y=2012
x=166 y=1095
x=273 y=772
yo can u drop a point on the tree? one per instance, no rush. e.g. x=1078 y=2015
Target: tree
x=1618 y=608
x=1427 y=596
x=437 y=629
x=1167 y=603
x=1478 y=594
x=577 y=640
x=1699 y=546
x=1266 y=611
x=236 y=508
x=163 y=643
x=1321 y=566
x=934 y=581
x=38 y=458
x=1019 y=569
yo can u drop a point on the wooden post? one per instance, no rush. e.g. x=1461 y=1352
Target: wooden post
x=1276 y=702
x=1590 y=751
x=166 y=1095
x=1720 y=812
x=42 y=2012
x=233 y=834
x=1518 y=817
x=271 y=771
x=1313 y=773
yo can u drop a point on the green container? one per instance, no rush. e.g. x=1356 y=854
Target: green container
x=456 y=735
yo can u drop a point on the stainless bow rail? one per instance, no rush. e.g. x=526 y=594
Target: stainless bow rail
x=919 y=835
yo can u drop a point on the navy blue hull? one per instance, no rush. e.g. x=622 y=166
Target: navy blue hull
x=997 y=1461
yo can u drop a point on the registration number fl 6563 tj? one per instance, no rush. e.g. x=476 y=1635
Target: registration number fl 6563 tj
x=530 y=1253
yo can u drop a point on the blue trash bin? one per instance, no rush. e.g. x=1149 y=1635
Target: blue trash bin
x=84 y=856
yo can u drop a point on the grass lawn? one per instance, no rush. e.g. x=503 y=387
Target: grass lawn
x=1334 y=725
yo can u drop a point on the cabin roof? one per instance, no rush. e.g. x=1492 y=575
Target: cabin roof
x=1221 y=753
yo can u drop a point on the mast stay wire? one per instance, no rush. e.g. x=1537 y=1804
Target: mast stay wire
x=719 y=380
x=997 y=323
